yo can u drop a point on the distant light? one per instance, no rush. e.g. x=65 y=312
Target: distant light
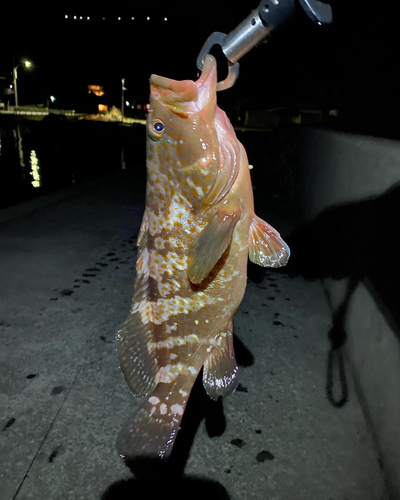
x=75 y=18
x=165 y=19
x=52 y=98
x=96 y=89
x=133 y=18
x=139 y=106
x=88 y=18
x=11 y=86
x=148 y=18
x=119 y=19
x=27 y=64
x=127 y=103
x=104 y=18
x=147 y=106
x=81 y=18
x=35 y=169
x=66 y=17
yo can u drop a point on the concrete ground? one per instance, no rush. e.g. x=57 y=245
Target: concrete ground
x=67 y=274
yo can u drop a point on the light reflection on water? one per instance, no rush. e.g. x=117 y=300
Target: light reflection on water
x=40 y=157
x=35 y=169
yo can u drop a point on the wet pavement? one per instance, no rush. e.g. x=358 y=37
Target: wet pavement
x=67 y=274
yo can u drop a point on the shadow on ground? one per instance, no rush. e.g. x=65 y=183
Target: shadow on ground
x=165 y=485
x=359 y=242
x=154 y=478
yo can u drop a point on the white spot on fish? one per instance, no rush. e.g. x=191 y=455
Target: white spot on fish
x=160 y=311
x=159 y=243
x=184 y=393
x=173 y=356
x=163 y=409
x=172 y=328
x=177 y=409
x=174 y=341
x=196 y=321
x=152 y=410
x=154 y=400
x=169 y=373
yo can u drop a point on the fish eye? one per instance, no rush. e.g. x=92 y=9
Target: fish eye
x=158 y=127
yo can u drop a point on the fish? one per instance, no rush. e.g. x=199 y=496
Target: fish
x=198 y=230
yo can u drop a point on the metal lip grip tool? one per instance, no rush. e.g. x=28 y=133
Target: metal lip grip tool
x=269 y=15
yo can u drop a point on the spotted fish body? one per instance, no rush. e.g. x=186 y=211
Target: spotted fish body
x=197 y=231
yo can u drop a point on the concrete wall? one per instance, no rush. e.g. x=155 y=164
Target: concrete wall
x=350 y=197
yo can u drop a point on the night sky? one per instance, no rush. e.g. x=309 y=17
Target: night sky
x=351 y=65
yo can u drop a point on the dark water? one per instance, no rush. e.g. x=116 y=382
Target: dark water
x=40 y=157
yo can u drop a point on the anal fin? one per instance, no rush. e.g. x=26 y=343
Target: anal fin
x=220 y=369
x=266 y=247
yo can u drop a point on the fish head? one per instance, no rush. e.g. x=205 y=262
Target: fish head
x=182 y=142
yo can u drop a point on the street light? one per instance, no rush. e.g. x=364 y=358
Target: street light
x=123 y=88
x=27 y=64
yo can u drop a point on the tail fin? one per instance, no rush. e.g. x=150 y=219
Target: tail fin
x=152 y=430
x=146 y=436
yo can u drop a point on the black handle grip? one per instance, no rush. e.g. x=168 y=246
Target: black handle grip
x=275 y=12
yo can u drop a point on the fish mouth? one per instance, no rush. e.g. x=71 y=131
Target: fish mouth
x=172 y=91
x=207 y=88
x=187 y=97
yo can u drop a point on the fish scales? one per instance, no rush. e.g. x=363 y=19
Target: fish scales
x=196 y=234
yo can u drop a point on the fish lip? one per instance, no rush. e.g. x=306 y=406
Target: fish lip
x=173 y=91
x=207 y=83
x=209 y=67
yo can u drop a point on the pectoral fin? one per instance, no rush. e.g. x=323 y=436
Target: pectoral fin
x=220 y=369
x=266 y=247
x=211 y=243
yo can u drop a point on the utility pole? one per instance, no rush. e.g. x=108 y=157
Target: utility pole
x=122 y=98
x=15 y=85
x=27 y=64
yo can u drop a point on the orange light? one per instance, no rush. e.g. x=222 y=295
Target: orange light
x=103 y=108
x=96 y=89
x=139 y=106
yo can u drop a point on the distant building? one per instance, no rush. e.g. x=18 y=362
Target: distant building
x=98 y=91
